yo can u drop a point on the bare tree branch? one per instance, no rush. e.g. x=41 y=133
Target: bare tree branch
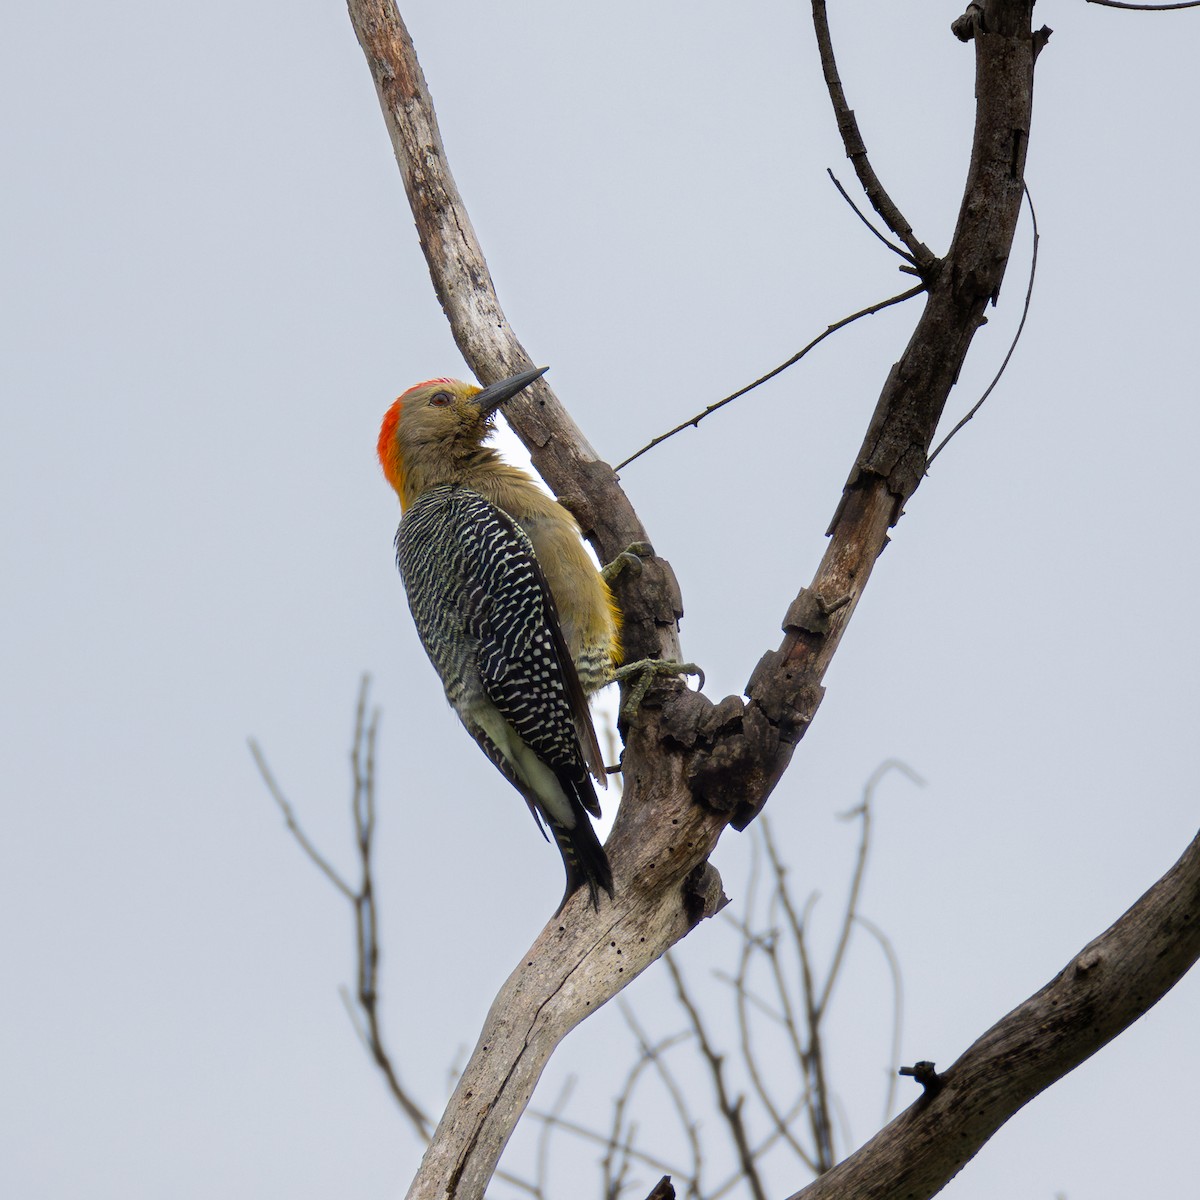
x=1105 y=988
x=779 y=1120
x=294 y=826
x=856 y=150
x=758 y=1151
x=600 y=1139
x=694 y=422
x=1146 y=7
x=813 y=1060
x=464 y=288
x=545 y=1134
x=744 y=765
x=1012 y=346
x=730 y=1110
x=850 y=912
x=681 y=749
x=577 y=962
x=858 y=212
x=655 y=1054
x=889 y=954
x=362 y=899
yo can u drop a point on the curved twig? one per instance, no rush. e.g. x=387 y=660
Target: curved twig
x=856 y=150
x=362 y=899
x=731 y=1181
x=778 y=1119
x=693 y=422
x=893 y=962
x=294 y=826
x=654 y=1053
x=803 y=1053
x=1145 y=7
x=820 y=1104
x=597 y=1139
x=542 y=1154
x=1016 y=336
x=730 y=1109
x=850 y=912
x=858 y=212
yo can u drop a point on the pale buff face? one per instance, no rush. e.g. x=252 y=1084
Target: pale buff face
x=427 y=433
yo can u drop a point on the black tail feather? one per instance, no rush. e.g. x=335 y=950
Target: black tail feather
x=584 y=860
x=582 y=855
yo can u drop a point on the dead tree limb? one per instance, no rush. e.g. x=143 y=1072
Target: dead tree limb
x=690 y=767
x=1105 y=988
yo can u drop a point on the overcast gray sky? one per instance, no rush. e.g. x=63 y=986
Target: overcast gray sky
x=212 y=292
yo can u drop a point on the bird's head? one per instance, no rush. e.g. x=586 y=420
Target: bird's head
x=436 y=429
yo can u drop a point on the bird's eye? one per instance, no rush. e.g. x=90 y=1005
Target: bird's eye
x=440 y=399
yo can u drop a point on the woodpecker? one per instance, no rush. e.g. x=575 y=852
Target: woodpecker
x=512 y=612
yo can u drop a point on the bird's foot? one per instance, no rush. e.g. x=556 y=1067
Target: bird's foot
x=630 y=559
x=643 y=673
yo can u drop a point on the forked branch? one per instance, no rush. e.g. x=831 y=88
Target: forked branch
x=690 y=767
x=856 y=150
x=361 y=897
x=1103 y=989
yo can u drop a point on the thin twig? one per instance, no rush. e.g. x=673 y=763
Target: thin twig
x=749 y=945
x=542 y=1156
x=767 y=944
x=904 y=254
x=818 y=1107
x=1016 y=337
x=601 y=1139
x=614 y=1142
x=366 y=917
x=1145 y=7
x=783 y=898
x=360 y=1030
x=693 y=422
x=812 y=1057
x=752 y=998
x=893 y=963
x=862 y=810
x=617 y=1184
x=293 y=824
x=655 y=1054
x=523 y=1184
x=791 y=1025
x=731 y=1110
x=856 y=150
x=758 y=1151
x=366 y=926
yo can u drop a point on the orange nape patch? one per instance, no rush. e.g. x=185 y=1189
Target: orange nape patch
x=389 y=451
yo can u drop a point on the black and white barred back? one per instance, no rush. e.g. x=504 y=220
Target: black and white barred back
x=486 y=618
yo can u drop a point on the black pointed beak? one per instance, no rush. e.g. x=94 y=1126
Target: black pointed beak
x=492 y=397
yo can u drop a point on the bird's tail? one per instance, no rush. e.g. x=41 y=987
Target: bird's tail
x=583 y=857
